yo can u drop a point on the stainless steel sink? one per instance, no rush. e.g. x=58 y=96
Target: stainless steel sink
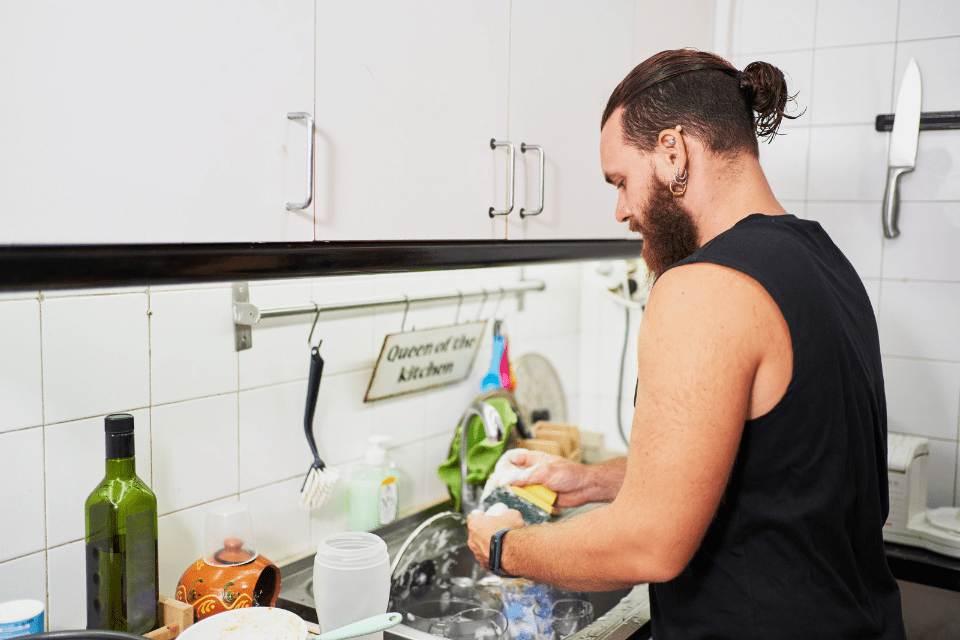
x=620 y=614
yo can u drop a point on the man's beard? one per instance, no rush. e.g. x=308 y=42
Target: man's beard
x=669 y=233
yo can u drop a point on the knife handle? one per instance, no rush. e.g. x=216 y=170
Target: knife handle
x=891 y=201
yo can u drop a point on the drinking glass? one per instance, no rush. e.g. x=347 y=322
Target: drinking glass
x=476 y=624
x=563 y=619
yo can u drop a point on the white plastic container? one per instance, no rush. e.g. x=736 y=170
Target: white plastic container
x=21 y=618
x=351 y=580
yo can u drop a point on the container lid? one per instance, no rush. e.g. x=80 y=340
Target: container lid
x=16 y=611
x=229 y=536
x=352 y=550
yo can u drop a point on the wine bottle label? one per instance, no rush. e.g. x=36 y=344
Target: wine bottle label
x=389 y=501
x=104 y=568
x=141 y=572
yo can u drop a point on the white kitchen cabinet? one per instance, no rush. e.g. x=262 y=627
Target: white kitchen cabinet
x=408 y=96
x=565 y=60
x=160 y=122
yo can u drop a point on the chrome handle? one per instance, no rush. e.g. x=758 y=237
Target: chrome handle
x=511 y=175
x=538 y=149
x=300 y=115
x=891 y=201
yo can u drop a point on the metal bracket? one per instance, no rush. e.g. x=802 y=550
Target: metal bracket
x=244 y=315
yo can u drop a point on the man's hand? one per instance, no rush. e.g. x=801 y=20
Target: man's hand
x=483 y=527
x=574 y=483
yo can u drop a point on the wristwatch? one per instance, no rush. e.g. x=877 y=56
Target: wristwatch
x=496 y=554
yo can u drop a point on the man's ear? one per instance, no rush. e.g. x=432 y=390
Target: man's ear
x=671 y=152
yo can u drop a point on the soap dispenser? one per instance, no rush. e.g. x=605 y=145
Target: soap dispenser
x=373 y=494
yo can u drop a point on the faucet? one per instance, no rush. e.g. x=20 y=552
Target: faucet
x=493 y=426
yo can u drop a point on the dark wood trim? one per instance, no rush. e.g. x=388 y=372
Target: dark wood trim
x=28 y=267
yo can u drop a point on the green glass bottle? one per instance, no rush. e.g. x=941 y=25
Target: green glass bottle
x=122 y=567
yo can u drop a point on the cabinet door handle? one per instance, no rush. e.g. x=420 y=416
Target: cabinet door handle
x=511 y=174
x=535 y=147
x=300 y=115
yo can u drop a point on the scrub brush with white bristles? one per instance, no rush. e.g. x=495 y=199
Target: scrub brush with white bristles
x=320 y=478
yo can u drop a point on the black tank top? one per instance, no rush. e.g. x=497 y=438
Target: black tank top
x=795 y=549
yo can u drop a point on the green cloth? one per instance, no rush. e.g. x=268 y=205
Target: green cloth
x=482 y=454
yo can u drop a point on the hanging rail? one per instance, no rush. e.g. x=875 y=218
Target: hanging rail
x=247 y=314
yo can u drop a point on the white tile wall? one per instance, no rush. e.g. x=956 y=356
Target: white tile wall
x=24 y=578
x=927 y=246
x=922 y=397
x=21 y=493
x=937 y=174
x=847 y=162
x=856 y=22
x=191 y=322
x=281 y=528
x=798 y=20
x=95 y=355
x=272 y=443
x=842 y=97
x=66 y=587
x=21 y=393
x=195 y=452
x=920 y=320
x=921 y=19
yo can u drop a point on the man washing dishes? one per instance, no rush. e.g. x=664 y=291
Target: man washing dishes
x=754 y=491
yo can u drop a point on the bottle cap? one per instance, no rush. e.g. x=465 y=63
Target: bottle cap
x=118 y=423
x=376 y=454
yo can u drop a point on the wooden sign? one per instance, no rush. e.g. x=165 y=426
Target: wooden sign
x=419 y=360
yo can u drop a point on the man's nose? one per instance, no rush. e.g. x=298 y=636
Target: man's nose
x=623 y=213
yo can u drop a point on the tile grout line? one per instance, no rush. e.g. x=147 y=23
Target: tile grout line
x=43 y=421
x=150 y=376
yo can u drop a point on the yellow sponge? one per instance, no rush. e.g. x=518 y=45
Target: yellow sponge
x=538 y=495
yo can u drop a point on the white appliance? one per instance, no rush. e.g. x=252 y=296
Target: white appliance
x=909 y=521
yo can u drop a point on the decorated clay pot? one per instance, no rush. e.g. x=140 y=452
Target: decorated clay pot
x=213 y=588
x=232 y=575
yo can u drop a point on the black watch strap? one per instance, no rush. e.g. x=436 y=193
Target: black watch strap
x=496 y=554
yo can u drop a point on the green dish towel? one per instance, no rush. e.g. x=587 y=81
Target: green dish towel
x=482 y=454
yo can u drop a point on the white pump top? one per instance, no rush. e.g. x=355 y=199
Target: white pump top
x=376 y=454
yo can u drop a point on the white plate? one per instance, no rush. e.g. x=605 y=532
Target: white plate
x=251 y=623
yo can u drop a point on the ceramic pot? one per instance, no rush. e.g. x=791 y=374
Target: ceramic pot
x=238 y=579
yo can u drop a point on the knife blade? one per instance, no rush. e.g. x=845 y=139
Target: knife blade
x=902 y=157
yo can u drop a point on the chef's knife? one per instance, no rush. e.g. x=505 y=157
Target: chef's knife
x=903 y=145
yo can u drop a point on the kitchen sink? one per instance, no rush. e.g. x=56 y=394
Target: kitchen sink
x=621 y=614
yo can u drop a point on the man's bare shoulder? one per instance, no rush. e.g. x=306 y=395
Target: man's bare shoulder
x=701 y=309
x=707 y=287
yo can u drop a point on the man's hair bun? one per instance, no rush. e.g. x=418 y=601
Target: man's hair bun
x=765 y=89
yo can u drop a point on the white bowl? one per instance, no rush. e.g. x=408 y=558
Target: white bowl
x=252 y=623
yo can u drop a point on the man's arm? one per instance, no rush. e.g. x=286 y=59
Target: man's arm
x=705 y=331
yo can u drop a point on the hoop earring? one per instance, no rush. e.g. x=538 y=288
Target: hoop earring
x=680 y=181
